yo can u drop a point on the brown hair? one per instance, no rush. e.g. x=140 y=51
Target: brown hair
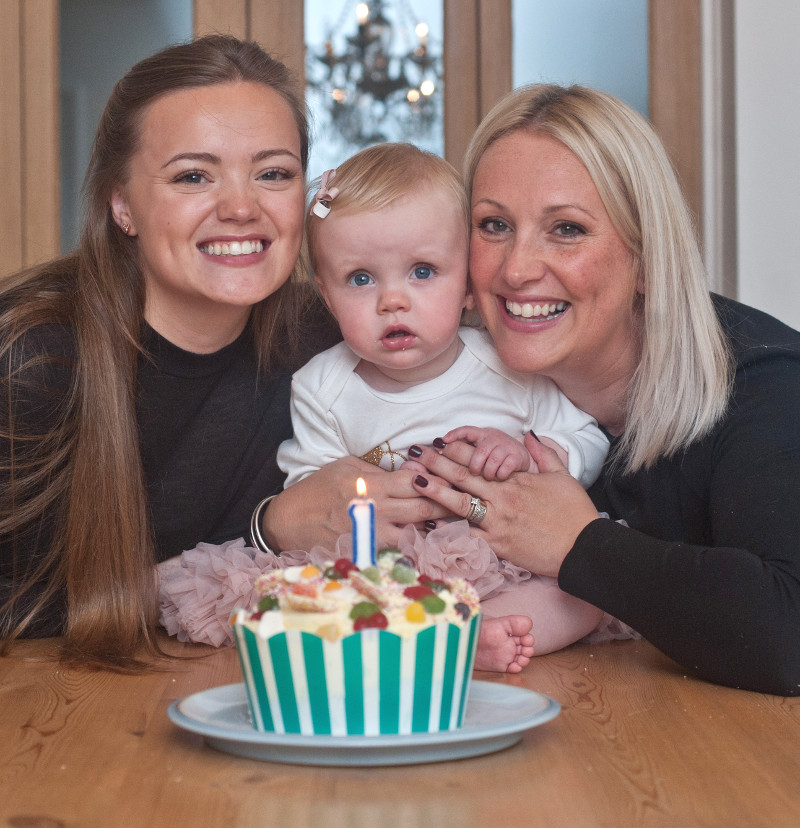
x=83 y=475
x=677 y=393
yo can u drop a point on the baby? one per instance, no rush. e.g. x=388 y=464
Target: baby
x=389 y=253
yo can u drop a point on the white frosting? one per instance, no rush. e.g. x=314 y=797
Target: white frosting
x=311 y=602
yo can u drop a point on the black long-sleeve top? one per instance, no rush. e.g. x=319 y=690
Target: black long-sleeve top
x=209 y=429
x=709 y=571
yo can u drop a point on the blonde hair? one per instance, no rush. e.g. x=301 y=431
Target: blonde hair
x=80 y=479
x=377 y=176
x=681 y=386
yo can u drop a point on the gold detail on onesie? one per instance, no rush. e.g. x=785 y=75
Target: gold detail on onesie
x=376 y=455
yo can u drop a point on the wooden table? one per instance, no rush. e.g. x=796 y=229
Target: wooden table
x=636 y=744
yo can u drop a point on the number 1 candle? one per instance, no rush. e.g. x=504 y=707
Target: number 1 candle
x=362 y=516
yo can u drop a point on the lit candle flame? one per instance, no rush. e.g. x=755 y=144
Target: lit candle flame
x=361 y=487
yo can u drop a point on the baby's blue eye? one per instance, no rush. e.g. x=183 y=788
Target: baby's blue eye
x=423 y=272
x=360 y=279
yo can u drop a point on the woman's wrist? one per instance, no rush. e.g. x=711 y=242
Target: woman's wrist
x=258 y=537
x=294 y=518
x=313 y=511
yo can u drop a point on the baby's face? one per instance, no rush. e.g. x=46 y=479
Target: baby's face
x=396 y=281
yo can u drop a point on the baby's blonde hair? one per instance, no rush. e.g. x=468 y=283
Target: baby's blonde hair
x=377 y=176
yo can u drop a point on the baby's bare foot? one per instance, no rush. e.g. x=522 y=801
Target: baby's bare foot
x=505 y=644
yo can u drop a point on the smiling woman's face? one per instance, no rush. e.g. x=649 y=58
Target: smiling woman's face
x=553 y=280
x=215 y=199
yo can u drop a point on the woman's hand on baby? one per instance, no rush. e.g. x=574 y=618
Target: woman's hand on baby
x=496 y=456
x=531 y=520
x=314 y=510
x=397 y=501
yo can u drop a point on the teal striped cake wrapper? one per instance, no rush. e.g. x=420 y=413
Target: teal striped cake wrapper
x=372 y=682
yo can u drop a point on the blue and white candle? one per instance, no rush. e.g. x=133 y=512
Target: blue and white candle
x=362 y=516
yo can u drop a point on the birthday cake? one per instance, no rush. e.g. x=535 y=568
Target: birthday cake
x=348 y=650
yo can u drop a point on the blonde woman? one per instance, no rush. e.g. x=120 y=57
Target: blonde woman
x=574 y=203
x=573 y=200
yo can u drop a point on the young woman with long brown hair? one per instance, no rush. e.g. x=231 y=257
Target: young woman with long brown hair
x=145 y=377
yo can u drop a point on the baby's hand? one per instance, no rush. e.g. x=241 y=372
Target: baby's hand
x=414 y=466
x=497 y=456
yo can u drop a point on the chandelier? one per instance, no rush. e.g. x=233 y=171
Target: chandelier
x=383 y=83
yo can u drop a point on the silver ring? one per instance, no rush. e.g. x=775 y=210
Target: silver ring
x=477 y=510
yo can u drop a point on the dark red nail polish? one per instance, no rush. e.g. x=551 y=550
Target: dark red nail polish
x=530 y=431
x=439 y=443
x=415 y=451
x=430 y=524
x=421 y=481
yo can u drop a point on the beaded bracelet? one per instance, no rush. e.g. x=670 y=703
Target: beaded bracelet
x=256 y=536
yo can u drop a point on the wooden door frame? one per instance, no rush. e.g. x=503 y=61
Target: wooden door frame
x=29 y=133
x=477 y=67
x=692 y=107
x=278 y=25
x=676 y=90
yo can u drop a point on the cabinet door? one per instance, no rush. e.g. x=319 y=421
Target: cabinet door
x=29 y=163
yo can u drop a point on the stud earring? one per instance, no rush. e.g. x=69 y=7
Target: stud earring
x=126 y=228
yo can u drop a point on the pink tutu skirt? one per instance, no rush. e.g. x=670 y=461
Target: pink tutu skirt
x=199 y=590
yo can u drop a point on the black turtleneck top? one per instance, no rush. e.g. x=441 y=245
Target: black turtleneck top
x=209 y=428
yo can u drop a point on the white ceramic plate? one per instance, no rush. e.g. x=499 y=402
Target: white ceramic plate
x=497 y=716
